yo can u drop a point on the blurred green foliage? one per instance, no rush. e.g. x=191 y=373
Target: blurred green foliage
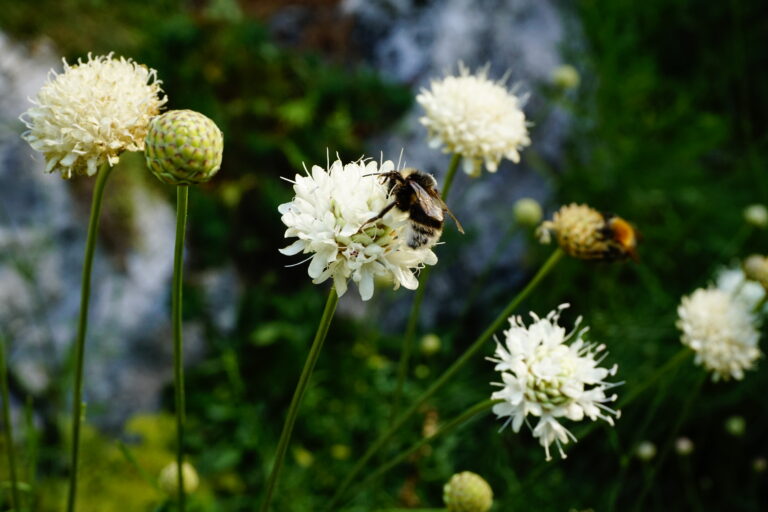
x=669 y=131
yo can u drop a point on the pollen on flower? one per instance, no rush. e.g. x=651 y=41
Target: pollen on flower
x=550 y=374
x=475 y=117
x=329 y=218
x=721 y=329
x=92 y=112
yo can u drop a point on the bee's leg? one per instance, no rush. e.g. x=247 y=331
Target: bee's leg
x=381 y=214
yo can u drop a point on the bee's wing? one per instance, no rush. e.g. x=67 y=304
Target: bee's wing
x=431 y=205
x=449 y=212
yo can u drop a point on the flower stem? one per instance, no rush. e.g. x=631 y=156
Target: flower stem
x=413 y=317
x=298 y=394
x=467 y=415
x=16 y=502
x=182 y=199
x=82 y=327
x=450 y=372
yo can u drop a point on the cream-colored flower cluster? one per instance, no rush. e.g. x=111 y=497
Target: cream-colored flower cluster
x=550 y=374
x=329 y=217
x=475 y=117
x=91 y=113
x=721 y=328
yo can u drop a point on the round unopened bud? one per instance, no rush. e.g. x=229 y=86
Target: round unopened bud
x=683 y=446
x=183 y=147
x=736 y=426
x=527 y=212
x=430 y=344
x=565 y=77
x=757 y=215
x=756 y=269
x=646 y=451
x=169 y=478
x=467 y=492
x=760 y=464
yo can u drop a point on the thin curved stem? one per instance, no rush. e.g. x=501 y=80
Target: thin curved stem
x=182 y=200
x=450 y=372
x=453 y=424
x=82 y=327
x=298 y=394
x=413 y=317
x=16 y=501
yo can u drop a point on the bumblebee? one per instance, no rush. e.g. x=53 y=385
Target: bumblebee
x=620 y=238
x=415 y=193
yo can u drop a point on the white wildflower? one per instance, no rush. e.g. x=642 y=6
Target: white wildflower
x=548 y=378
x=735 y=282
x=91 y=113
x=721 y=329
x=326 y=215
x=476 y=118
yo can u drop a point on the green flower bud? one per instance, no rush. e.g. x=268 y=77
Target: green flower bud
x=169 y=479
x=528 y=212
x=736 y=426
x=467 y=492
x=646 y=451
x=430 y=344
x=183 y=147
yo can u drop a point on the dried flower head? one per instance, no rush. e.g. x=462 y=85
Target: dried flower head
x=184 y=147
x=547 y=377
x=169 y=478
x=91 y=113
x=467 y=492
x=476 y=118
x=585 y=233
x=326 y=215
x=721 y=330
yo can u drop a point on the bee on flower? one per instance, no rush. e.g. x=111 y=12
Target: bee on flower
x=331 y=219
x=585 y=233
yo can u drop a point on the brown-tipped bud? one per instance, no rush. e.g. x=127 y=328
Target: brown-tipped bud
x=184 y=147
x=467 y=492
x=585 y=233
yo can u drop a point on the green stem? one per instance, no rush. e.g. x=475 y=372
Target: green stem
x=467 y=415
x=182 y=199
x=82 y=327
x=8 y=427
x=298 y=394
x=450 y=372
x=413 y=318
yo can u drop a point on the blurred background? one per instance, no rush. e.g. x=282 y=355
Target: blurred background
x=660 y=117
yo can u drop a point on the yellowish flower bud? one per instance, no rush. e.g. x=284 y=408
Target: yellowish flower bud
x=683 y=446
x=467 y=492
x=646 y=451
x=169 y=479
x=585 y=233
x=184 y=147
x=430 y=344
x=528 y=212
x=757 y=215
x=736 y=426
x=756 y=269
x=565 y=77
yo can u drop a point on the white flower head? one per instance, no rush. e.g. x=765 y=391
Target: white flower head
x=326 y=216
x=475 y=117
x=721 y=328
x=551 y=374
x=91 y=113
